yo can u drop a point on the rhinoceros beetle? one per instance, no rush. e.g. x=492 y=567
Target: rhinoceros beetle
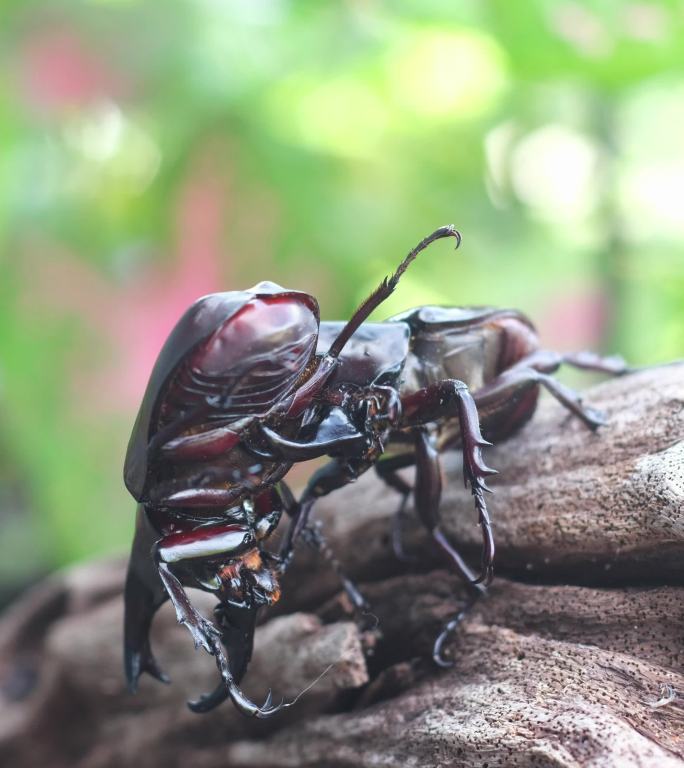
x=251 y=382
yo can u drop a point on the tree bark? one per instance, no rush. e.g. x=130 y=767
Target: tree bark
x=574 y=658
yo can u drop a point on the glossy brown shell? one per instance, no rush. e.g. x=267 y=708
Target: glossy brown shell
x=197 y=325
x=375 y=354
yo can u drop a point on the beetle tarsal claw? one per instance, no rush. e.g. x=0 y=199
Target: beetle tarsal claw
x=595 y=418
x=438 y=652
x=231 y=689
x=438 y=648
x=137 y=662
x=208 y=701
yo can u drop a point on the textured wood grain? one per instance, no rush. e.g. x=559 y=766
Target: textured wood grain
x=575 y=658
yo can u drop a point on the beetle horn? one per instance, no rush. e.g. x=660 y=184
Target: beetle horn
x=386 y=288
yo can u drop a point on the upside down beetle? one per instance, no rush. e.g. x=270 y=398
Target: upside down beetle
x=249 y=383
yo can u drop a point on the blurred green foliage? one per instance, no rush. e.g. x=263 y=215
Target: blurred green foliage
x=330 y=137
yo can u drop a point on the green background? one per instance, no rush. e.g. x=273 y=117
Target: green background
x=151 y=152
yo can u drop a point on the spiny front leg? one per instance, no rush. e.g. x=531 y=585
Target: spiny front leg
x=206 y=634
x=451 y=397
x=428 y=490
x=474 y=472
x=203 y=631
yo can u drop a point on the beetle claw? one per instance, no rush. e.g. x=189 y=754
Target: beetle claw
x=438 y=648
x=209 y=701
x=449 y=628
x=137 y=662
x=438 y=651
x=266 y=709
x=595 y=418
x=485 y=578
x=230 y=688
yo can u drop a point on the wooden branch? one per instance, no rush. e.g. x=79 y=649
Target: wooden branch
x=589 y=672
x=596 y=508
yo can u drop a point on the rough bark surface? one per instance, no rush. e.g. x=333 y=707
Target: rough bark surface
x=575 y=658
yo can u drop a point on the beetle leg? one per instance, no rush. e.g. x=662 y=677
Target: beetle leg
x=312 y=536
x=590 y=361
x=428 y=491
x=386 y=469
x=453 y=397
x=237 y=625
x=546 y=361
x=333 y=475
x=237 y=622
x=534 y=369
x=447 y=630
x=427 y=495
x=335 y=435
x=520 y=378
x=206 y=634
x=235 y=629
x=203 y=631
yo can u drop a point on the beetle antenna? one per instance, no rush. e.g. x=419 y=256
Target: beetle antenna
x=386 y=288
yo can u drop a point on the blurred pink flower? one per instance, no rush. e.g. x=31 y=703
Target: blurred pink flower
x=575 y=321
x=59 y=71
x=134 y=318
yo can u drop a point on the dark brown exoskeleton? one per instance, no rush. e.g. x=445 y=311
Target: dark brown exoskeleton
x=248 y=383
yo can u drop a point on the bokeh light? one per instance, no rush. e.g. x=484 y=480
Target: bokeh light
x=154 y=152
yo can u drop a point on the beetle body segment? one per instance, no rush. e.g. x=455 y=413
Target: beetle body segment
x=375 y=354
x=473 y=345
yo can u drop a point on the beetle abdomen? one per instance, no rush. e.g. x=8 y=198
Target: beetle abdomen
x=518 y=338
